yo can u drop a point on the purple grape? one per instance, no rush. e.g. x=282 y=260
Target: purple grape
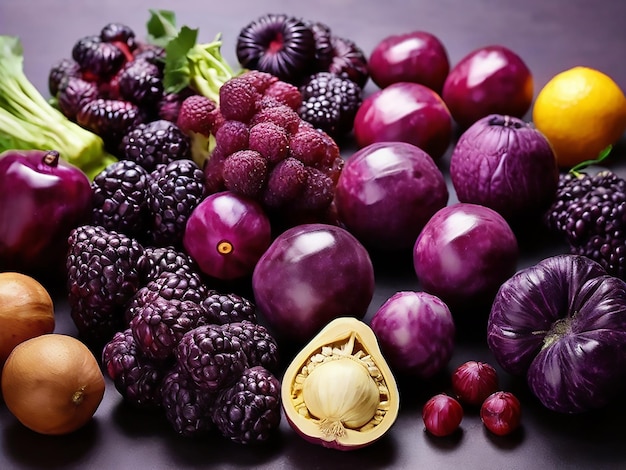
x=226 y=235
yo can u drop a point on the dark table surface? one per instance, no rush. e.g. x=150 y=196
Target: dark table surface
x=550 y=36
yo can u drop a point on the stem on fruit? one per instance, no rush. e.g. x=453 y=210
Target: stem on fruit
x=559 y=329
x=51 y=158
x=78 y=396
x=506 y=121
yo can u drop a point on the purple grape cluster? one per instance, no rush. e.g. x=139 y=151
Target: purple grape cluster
x=265 y=151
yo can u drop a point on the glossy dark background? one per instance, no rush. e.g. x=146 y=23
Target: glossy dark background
x=550 y=36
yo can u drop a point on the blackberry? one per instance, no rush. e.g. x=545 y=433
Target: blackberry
x=589 y=212
x=330 y=102
x=111 y=119
x=169 y=105
x=175 y=190
x=259 y=346
x=279 y=44
x=187 y=408
x=141 y=82
x=159 y=324
x=104 y=271
x=213 y=357
x=168 y=260
x=100 y=60
x=136 y=378
x=61 y=70
x=228 y=308
x=120 y=33
x=152 y=53
x=73 y=93
x=349 y=61
x=120 y=198
x=153 y=143
x=249 y=410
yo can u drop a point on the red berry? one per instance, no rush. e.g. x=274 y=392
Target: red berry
x=442 y=415
x=474 y=381
x=501 y=413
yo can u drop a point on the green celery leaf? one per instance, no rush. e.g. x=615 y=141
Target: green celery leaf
x=177 y=73
x=161 y=27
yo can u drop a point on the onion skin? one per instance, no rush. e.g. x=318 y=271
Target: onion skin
x=506 y=164
x=562 y=324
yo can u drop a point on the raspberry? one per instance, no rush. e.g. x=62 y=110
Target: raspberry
x=282 y=116
x=318 y=192
x=260 y=81
x=198 y=114
x=238 y=100
x=245 y=172
x=136 y=378
x=285 y=93
x=590 y=214
x=269 y=140
x=285 y=183
x=232 y=136
x=249 y=410
x=309 y=146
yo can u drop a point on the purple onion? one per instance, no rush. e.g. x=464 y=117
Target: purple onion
x=562 y=324
x=506 y=164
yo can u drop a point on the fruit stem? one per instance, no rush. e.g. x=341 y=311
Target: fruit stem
x=78 y=396
x=575 y=170
x=51 y=158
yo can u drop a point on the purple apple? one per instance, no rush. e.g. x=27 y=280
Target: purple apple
x=417 y=56
x=42 y=198
x=489 y=80
x=405 y=112
x=386 y=192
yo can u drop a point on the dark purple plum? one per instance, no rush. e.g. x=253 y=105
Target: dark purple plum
x=417 y=56
x=488 y=80
x=386 y=193
x=405 y=112
x=561 y=323
x=48 y=198
x=226 y=234
x=311 y=274
x=416 y=333
x=464 y=253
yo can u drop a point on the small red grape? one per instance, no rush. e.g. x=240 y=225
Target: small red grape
x=442 y=415
x=474 y=381
x=501 y=413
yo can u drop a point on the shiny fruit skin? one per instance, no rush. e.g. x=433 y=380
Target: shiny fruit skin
x=581 y=111
x=48 y=198
x=386 y=193
x=442 y=415
x=405 y=112
x=417 y=56
x=488 y=80
x=501 y=413
x=52 y=384
x=474 y=381
x=26 y=311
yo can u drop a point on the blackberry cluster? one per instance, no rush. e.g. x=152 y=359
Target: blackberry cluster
x=589 y=213
x=152 y=206
x=266 y=151
x=293 y=48
x=112 y=83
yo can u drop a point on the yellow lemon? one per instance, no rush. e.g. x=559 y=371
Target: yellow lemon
x=581 y=111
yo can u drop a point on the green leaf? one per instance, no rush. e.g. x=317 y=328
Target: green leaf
x=177 y=73
x=161 y=27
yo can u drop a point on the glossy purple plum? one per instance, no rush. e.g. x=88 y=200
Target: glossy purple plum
x=416 y=333
x=42 y=198
x=417 y=56
x=561 y=323
x=226 y=234
x=386 y=193
x=506 y=164
x=405 y=112
x=464 y=253
x=310 y=275
x=488 y=80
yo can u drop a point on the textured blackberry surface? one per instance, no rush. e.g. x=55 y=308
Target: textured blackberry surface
x=159 y=324
x=175 y=190
x=590 y=214
x=187 y=408
x=330 y=102
x=119 y=32
x=120 y=198
x=212 y=356
x=153 y=143
x=249 y=410
x=100 y=59
x=111 y=119
x=258 y=344
x=228 y=308
x=105 y=270
x=59 y=71
x=169 y=260
x=73 y=93
x=136 y=378
x=141 y=82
